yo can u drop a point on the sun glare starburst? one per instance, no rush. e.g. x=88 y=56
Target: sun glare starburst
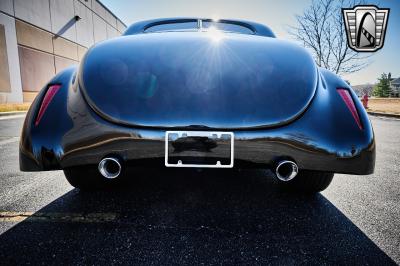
x=215 y=34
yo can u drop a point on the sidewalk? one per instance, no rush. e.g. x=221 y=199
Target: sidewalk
x=383 y=114
x=3 y=114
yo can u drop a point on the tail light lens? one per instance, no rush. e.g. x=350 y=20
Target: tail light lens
x=348 y=100
x=48 y=97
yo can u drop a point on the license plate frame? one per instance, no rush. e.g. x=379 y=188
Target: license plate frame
x=199 y=134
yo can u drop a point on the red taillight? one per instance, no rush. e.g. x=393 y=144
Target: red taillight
x=51 y=91
x=348 y=100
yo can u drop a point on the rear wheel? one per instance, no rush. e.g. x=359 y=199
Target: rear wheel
x=308 y=182
x=87 y=178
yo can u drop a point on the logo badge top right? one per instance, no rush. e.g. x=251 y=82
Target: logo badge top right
x=365 y=27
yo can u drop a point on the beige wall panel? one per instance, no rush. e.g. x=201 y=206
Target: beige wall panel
x=37 y=68
x=34 y=37
x=63 y=63
x=99 y=9
x=65 y=48
x=63 y=22
x=3 y=98
x=100 y=29
x=111 y=19
x=5 y=85
x=29 y=96
x=112 y=32
x=81 y=52
x=87 y=3
x=7 y=6
x=36 y=12
x=84 y=27
x=120 y=26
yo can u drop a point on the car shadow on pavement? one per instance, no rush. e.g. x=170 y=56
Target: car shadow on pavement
x=190 y=217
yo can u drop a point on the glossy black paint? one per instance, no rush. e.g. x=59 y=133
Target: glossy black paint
x=319 y=135
x=178 y=79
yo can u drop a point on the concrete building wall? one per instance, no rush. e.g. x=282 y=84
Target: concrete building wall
x=10 y=91
x=39 y=38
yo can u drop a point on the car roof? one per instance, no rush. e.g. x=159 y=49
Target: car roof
x=140 y=27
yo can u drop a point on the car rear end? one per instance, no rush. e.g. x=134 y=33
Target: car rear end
x=184 y=99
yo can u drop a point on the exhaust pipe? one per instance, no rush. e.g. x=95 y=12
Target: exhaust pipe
x=110 y=167
x=286 y=170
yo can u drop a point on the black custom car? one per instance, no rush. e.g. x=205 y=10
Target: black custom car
x=198 y=93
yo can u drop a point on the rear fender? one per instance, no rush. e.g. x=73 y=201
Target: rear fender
x=333 y=125
x=40 y=144
x=330 y=82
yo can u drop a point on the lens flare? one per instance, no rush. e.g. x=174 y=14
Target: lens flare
x=215 y=34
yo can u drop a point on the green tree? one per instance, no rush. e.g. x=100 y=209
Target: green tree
x=382 y=89
x=377 y=91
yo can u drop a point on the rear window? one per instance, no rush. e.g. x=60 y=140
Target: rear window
x=228 y=27
x=194 y=26
x=178 y=26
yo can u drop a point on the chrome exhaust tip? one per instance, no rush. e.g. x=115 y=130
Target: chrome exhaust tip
x=286 y=170
x=110 y=167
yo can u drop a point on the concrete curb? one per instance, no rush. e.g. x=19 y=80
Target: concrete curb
x=384 y=114
x=12 y=113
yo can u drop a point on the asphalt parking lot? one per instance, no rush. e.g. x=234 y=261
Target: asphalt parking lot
x=208 y=217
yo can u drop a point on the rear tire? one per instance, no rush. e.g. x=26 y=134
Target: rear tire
x=309 y=182
x=87 y=178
